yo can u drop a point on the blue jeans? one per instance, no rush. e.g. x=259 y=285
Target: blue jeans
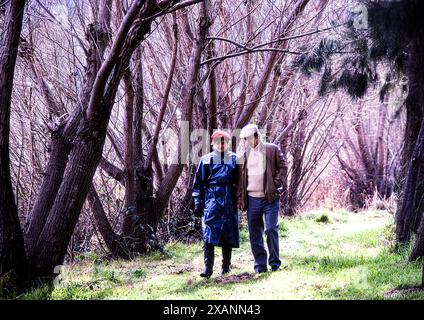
x=256 y=210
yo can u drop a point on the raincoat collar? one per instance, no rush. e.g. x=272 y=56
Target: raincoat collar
x=218 y=157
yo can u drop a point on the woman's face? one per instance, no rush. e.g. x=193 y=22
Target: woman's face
x=220 y=145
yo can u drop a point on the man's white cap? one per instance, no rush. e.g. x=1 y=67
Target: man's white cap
x=249 y=130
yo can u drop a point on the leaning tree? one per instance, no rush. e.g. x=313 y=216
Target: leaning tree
x=12 y=253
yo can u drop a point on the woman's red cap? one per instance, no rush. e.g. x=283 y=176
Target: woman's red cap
x=220 y=134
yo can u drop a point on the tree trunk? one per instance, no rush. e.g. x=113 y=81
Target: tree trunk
x=407 y=213
x=182 y=215
x=13 y=261
x=293 y=201
x=59 y=151
x=112 y=240
x=129 y=163
x=50 y=248
x=418 y=249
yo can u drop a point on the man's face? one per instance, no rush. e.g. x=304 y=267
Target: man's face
x=250 y=141
x=220 y=144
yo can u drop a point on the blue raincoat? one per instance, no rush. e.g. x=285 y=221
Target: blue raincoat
x=214 y=188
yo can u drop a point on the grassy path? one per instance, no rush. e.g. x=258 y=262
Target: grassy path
x=326 y=255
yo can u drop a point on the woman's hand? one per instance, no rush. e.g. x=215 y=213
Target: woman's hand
x=198 y=210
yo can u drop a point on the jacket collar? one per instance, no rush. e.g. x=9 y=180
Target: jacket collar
x=259 y=147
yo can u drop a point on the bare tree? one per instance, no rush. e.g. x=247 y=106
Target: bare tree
x=12 y=254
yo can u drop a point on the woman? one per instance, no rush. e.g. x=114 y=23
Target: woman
x=214 y=194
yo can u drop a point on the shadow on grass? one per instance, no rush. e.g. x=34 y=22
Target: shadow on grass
x=237 y=278
x=416 y=292
x=223 y=282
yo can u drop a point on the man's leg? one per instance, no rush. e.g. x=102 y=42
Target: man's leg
x=256 y=229
x=271 y=222
x=209 y=257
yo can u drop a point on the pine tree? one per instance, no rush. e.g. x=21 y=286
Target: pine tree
x=393 y=37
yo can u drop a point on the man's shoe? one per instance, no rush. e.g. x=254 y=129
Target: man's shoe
x=225 y=271
x=261 y=271
x=275 y=268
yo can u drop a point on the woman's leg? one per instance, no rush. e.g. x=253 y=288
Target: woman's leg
x=209 y=257
x=226 y=256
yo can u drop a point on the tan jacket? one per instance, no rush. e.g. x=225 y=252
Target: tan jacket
x=274 y=174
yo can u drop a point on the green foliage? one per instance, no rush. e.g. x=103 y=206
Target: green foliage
x=244 y=235
x=106 y=274
x=316 y=58
x=8 y=285
x=83 y=291
x=139 y=273
x=393 y=33
x=94 y=257
x=40 y=293
x=283 y=229
x=388 y=237
x=323 y=218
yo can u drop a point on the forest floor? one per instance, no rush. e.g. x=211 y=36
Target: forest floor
x=325 y=254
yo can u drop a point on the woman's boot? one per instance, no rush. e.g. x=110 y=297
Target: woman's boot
x=209 y=255
x=226 y=259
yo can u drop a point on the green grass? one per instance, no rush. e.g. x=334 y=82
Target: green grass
x=326 y=255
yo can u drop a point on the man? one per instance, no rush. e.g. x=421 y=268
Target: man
x=260 y=185
x=214 y=194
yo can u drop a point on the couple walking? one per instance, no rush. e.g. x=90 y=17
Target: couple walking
x=224 y=183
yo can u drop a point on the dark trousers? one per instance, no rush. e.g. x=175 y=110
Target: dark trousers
x=209 y=255
x=257 y=210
